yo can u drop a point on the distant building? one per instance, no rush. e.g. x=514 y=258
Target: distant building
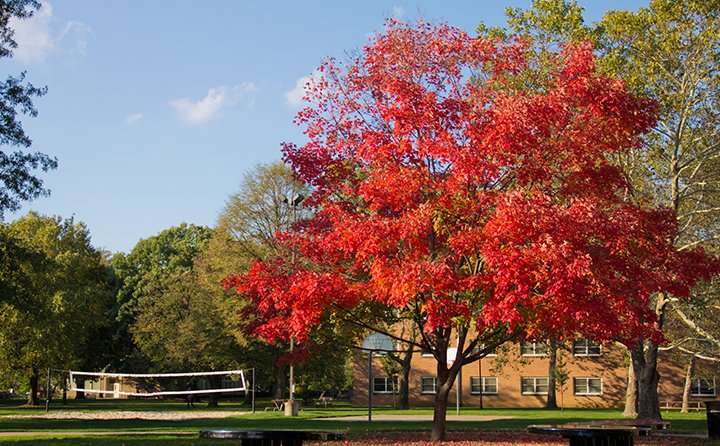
x=517 y=377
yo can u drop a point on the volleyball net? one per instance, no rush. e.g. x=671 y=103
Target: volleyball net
x=157 y=384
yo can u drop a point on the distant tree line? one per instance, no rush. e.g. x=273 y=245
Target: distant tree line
x=162 y=307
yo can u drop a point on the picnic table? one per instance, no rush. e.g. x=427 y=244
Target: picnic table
x=271 y=437
x=654 y=425
x=593 y=433
x=277 y=405
x=324 y=401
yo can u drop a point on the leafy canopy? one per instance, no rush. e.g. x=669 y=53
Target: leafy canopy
x=449 y=193
x=17 y=179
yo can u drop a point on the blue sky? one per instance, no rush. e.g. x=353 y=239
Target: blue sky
x=156 y=108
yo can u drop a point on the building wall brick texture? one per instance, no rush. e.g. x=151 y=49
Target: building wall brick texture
x=510 y=367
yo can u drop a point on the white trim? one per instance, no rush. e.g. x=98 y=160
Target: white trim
x=154 y=375
x=536 y=345
x=482 y=385
x=478 y=348
x=587 y=346
x=151 y=394
x=535 y=385
x=587 y=384
x=388 y=380
x=696 y=384
x=428 y=392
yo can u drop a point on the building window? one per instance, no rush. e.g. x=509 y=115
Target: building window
x=429 y=384
x=587 y=386
x=703 y=387
x=586 y=347
x=384 y=384
x=534 y=348
x=489 y=385
x=477 y=348
x=426 y=353
x=534 y=386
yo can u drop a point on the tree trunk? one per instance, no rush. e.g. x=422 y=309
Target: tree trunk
x=552 y=394
x=404 y=380
x=34 y=385
x=645 y=361
x=445 y=380
x=440 y=411
x=279 y=382
x=215 y=383
x=631 y=393
x=688 y=385
x=646 y=373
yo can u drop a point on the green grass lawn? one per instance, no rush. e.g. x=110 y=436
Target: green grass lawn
x=185 y=432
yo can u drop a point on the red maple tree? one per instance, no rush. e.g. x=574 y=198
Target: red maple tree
x=480 y=210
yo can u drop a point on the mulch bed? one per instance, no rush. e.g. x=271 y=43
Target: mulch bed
x=492 y=438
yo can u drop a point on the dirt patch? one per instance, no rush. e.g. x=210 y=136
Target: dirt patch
x=127 y=415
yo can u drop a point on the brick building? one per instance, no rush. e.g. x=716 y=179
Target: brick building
x=517 y=377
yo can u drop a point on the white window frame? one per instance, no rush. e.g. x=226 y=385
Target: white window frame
x=587 y=386
x=537 y=347
x=426 y=353
x=434 y=385
x=696 y=388
x=535 y=381
x=581 y=347
x=389 y=380
x=485 y=380
x=477 y=348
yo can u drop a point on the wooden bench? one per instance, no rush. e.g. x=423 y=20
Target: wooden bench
x=271 y=437
x=677 y=405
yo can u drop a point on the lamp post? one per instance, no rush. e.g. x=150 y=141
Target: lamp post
x=374 y=343
x=291 y=408
x=480 y=377
x=451 y=356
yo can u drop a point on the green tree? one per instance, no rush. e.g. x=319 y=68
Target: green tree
x=246 y=231
x=144 y=277
x=670 y=52
x=259 y=210
x=65 y=298
x=18 y=181
x=17 y=262
x=176 y=314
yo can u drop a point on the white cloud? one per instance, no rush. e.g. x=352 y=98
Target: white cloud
x=398 y=12
x=133 y=118
x=75 y=35
x=295 y=97
x=216 y=99
x=37 y=38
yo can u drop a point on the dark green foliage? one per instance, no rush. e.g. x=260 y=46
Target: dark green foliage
x=151 y=271
x=17 y=179
x=59 y=297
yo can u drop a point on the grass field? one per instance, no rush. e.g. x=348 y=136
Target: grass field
x=19 y=426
